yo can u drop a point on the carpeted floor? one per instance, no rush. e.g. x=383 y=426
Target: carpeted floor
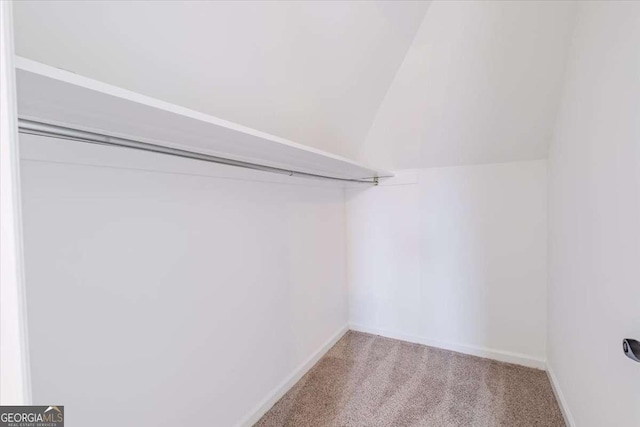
x=367 y=380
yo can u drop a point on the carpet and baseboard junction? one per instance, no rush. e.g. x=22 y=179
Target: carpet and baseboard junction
x=369 y=380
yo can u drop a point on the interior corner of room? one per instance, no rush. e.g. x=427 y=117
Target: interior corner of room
x=321 y=213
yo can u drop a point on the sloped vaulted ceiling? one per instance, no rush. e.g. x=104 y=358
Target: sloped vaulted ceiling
x=481 y=83
x=398 y=84
x=313 y=72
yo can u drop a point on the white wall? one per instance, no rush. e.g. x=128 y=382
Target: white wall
x=456 y=259
x=14 y=353
x=480 y=84
x=594 y=220
x=173 y=290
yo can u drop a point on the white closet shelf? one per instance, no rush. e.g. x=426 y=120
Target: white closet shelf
x=50 y=95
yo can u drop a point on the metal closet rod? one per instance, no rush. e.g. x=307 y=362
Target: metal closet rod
x=44 y=129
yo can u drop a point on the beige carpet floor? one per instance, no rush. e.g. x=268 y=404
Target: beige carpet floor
x=368 y=380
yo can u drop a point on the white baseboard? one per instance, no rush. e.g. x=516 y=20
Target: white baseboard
x=290 y=381
x=499 y=355
x=562 y=402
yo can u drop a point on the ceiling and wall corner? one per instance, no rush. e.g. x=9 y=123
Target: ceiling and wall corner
x=398 y=84
x=480 y=84
x=312 y=72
